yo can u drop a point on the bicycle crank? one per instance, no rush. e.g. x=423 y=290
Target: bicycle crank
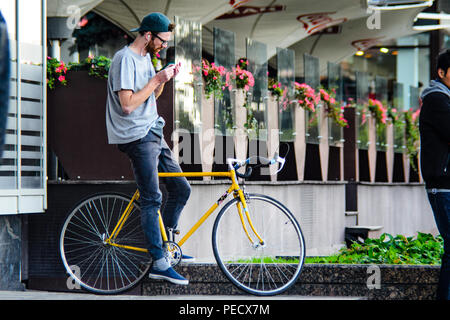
x=173 y=252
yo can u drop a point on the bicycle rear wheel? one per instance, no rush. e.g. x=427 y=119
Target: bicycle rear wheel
x=94 y=264
x=257 y=269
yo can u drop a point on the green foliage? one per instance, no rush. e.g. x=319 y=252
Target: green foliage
x=412 y=136
x=424 y=249
x=56 y=72
x=97 y=66
x=214 y=79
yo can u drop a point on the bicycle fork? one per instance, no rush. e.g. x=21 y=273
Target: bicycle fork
x=239 y=193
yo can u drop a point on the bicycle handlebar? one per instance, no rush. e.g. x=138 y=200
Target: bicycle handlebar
x=264 y=162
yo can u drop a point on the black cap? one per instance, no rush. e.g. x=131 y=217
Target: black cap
x=156 y=22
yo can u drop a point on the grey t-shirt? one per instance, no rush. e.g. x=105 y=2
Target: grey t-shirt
x=130 y=71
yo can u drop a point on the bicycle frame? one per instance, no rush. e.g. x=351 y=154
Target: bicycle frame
x=235 y=188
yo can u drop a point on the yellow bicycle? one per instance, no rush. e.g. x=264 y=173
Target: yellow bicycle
x=256 y=240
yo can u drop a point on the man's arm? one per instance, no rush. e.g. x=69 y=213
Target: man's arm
x=130 y=100
x=159 y=90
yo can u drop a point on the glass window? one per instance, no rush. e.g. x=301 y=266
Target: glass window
x=312 y=78
x=286 y=77
x=362 y=116
x=31 y=72
x=335 y=82
x=224 y=56
x=188 y=83
x=381 y=94
x=257 y=111
x=23 y=164
x=8 y=162
x=399 y=127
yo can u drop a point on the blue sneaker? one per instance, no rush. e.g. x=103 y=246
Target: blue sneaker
x=170 y=275
x=187 y=259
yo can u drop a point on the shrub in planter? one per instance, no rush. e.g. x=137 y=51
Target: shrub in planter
x=388 y=249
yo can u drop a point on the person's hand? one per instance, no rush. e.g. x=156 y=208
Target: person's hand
x=166 y=74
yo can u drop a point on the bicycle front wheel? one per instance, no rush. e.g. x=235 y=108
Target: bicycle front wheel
x=93 y=263
x=261 y=269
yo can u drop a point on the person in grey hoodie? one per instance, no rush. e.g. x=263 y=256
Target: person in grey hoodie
x=434 y=127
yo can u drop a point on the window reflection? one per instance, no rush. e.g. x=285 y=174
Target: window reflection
x=286 y=77
x=188 y=83
x=257 y=65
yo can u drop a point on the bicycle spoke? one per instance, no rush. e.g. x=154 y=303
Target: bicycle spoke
x=257 y=269
x=104 y=268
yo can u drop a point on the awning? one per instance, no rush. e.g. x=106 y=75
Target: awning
x=354 y=36
x=329 y=30
x=73 y=8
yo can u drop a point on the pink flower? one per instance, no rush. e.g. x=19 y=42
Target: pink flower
x=61 y=78
x=83 y=22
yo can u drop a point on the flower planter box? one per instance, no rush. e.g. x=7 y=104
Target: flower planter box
x=77 y=130
x=397 y=282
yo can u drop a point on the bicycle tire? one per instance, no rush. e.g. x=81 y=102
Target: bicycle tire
x=94 y=265
x=261 y=270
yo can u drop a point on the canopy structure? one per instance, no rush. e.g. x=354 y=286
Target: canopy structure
x=329 y=30
x=63 y=8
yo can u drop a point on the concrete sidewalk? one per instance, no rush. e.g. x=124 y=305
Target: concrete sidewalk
x=45 y=295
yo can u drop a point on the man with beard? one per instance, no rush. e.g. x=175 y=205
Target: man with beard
x=133 y=124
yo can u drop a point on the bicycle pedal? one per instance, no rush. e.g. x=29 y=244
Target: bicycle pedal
x=172 y=232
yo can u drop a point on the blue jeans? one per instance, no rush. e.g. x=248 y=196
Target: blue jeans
x=148 y=156
x=440 y=203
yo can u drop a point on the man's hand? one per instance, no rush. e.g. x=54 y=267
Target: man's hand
x=169 y=72
x=166 y=74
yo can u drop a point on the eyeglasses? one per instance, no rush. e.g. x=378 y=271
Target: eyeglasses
x=163 y=42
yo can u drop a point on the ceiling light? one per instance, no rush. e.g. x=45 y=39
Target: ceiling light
x=384 y=50
x=359 y=53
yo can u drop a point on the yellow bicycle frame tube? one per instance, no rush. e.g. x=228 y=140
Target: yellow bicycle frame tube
x=234 y=187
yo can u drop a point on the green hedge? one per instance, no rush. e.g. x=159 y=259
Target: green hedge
x=423 y=249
